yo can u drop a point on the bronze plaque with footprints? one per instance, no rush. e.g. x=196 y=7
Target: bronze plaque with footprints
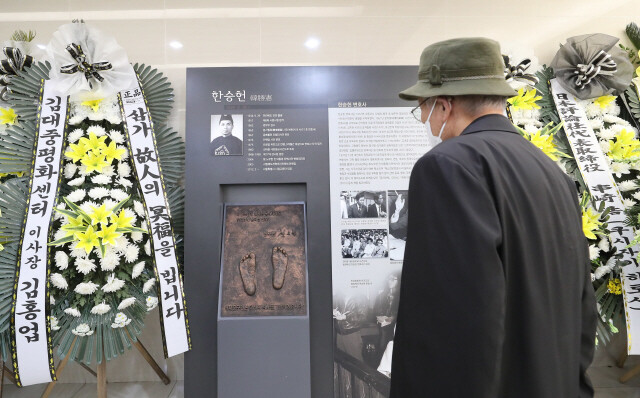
x=264 y=260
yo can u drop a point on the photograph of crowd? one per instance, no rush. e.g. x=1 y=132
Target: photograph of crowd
x=364 y=243
x=363 y=204
x=365 y=324
x=398 y=218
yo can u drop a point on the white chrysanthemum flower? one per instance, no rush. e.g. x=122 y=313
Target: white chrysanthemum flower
x=613 y=119
x=137 y=270
x=125 y=154
x=592 y=110
x=113 y=284
x=59 y=234
x=75 y=135
x=101 y=179
x=120 y=321
x=124 y=170
x=78 y=252
x=136 y=236
x=72 y=311
x=601 y=271
x=128 y=302
x=59 y=281
x=607 y=134
x=77 y=118
x=148 y=285
x=84 y=265
x=59 y=216
x=99 y=131
x=76 y=182
x=101 y=308
x=77 y=195
x=82 y=330
x=54 y=323
x=86 y=288
x=82 y=169
x=121 y=244
x=62 y=260
x=596 y=124
x=627 y=203
x=130 y=214
x=619 y=168
x=143 y=225
x=108 y=171
x=605 y=146
x=628 y=185
x=131 y=253
x=70 y=170
x=119 y=194
x=116 y=136
x=125 y=182
x=593 y=252
x=52 y=299
x=109 y=204
x=152 y=302
x=147 y=248
x=98 y=192
x=636 y=196
x=604 y=245
x=110 y=260
x=96 y=115
x=88 y=205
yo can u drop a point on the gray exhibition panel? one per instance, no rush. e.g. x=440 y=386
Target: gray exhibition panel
x=266 y=356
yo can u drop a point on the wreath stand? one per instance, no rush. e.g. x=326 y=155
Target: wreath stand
x=101 y=375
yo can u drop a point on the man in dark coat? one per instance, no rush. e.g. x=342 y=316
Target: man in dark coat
x=377 y=209
x=358 y=209
x=226 y=143
x=496 y=298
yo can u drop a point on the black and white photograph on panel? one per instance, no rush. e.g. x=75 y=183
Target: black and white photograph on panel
x=398 y=219
x=364 y=317
x=364 y=243
x=227 y=133
x=363 y=204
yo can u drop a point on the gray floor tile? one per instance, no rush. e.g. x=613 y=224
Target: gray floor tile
x=143 y=389
x=61 y=390
x=178 y=390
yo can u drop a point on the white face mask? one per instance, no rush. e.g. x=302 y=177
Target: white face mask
x=434 y=140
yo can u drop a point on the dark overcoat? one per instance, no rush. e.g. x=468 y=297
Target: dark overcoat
x=496 y=297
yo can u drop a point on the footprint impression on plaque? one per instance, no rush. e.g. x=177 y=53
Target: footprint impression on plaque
x=264 y=260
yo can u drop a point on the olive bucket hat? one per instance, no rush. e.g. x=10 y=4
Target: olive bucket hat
x=464 y=66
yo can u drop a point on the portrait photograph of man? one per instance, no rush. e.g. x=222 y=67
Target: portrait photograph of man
x=226 y=135
x=363 y=204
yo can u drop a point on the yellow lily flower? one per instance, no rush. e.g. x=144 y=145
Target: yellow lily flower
x=121 y=220
x=8 y=116
x=544 y=142
x=87 y=240
x=76 y=152
x=109 y=234
x=100 y=215
x=604 y=101
x=94 y=143
x=93 y=104
x=112 y=152
x=73 y=222
x=625 y=146
x=94 y=162
x=590 y=222
x=525 y=100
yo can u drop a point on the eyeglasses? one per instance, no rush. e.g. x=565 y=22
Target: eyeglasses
x=417 y=111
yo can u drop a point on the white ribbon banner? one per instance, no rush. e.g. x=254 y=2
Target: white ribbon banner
x=144 y=153
x=597 y=176
x=30 y=327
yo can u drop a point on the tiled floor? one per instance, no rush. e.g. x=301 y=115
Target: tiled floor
x=145 y=389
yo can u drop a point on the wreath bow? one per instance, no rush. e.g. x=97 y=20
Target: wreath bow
x=90 y=70
x=15 y=61
x=517 y=72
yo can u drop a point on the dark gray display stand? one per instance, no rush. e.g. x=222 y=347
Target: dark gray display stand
x=285 y=357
